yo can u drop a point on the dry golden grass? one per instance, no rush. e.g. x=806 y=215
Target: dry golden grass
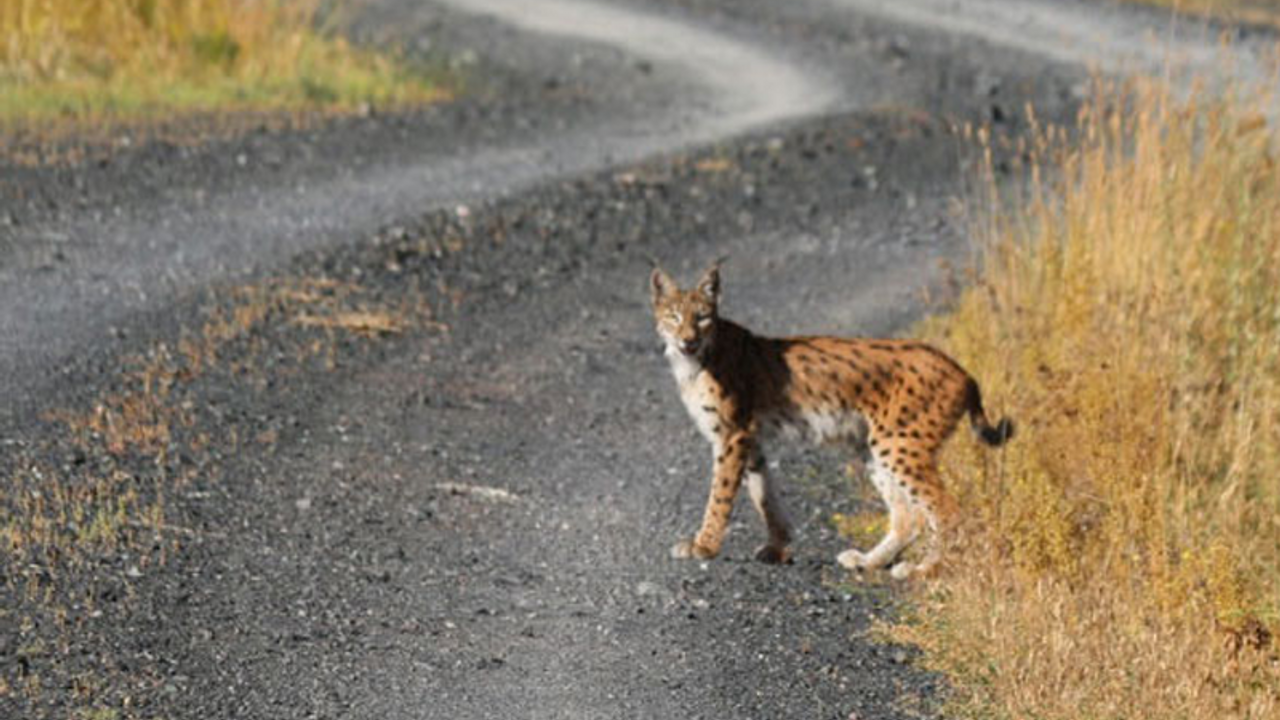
x=53 y=518
x=1121 y=558
x=70 y=63
x=1260 y=12
x=361 y=322
x=96 y=497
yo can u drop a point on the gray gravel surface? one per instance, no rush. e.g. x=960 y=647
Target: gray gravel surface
x=469 y=518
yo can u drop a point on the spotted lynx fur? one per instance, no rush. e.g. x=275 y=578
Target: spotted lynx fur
x=894 y=400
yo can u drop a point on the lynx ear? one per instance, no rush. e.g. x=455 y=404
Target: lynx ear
x=660 y=284
x=709 y=285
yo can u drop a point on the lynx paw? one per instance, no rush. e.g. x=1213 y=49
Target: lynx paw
x=686 y=549
x=773 y=554
x=902 y=571
x=853 y=560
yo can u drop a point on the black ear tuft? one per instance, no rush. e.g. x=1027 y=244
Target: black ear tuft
x=660 y=284
x=709 y=285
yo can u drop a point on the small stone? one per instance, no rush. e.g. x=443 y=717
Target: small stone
x=647 y=588
x=900 y=46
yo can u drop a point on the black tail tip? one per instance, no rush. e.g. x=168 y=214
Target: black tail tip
x=998 y=435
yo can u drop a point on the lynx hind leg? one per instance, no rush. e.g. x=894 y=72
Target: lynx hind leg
x=939 y=511
x=904 y=523
x=765 y=498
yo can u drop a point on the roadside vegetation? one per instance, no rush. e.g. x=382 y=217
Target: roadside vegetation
x=75 y=535
x=1258 y=12
x=66 y=65
x=1121 y=558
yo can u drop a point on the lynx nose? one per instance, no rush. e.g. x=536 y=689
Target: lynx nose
x=689 y=346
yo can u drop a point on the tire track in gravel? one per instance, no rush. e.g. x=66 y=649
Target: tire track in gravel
x=1117 y=40
x=747 y=86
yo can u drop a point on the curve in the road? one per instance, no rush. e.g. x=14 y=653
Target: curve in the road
x=128 y=268
x=1113 y=40
x=751 y=86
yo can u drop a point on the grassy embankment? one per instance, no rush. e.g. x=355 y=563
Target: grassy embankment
x=70 y=66
x=1258 y=12
x=1122 y=556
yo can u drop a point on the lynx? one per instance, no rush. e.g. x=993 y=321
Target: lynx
x=894 y=401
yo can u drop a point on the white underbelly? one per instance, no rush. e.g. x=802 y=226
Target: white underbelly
x=816 y=427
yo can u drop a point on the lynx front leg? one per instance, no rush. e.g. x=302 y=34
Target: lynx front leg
x=731 y=462
x=770 y=509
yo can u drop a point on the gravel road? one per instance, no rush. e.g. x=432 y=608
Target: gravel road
x=467 y=517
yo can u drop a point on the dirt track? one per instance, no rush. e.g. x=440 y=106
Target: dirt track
x=469 y=517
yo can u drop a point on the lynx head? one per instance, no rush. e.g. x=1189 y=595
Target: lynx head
x=686 y=319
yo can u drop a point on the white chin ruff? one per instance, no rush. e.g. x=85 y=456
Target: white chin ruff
x=684 y=365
